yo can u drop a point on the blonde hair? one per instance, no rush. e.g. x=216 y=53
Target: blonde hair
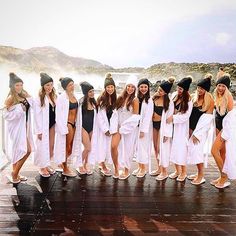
x=206 y=100
x=13 y=98
x=221 y=102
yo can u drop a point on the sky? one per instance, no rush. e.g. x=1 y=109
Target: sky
x=124 y=33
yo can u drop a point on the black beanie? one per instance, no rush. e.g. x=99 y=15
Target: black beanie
x=85 y=86
x=65 y=81
x=185 y=83
x=225 y=79
x=109 y=80
x=44 y=78
x=14 y=79
x=167 y=85
x=205 y=83
x=143 y=81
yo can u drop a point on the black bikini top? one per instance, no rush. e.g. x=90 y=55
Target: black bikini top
x=73 y=105
x=158 y=110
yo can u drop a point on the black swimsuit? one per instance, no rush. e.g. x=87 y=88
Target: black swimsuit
x=219 y=120
x=158 y=110
x=52 y=116
x=27 y=106
x=194 y=117
x=109 y=112
x=87 y=120
x=72 y=106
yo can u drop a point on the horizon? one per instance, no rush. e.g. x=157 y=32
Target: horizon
x=124 y=33
x=169 y=62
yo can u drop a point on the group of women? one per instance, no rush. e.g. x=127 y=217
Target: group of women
x=76 y=134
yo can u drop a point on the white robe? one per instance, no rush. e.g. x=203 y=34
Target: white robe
x=15 y=117
x=62 y=110
x=198 y=153
x=166 y=130
x=229 y=135
x=180 y=136
x=128 y=124
x=92 y=154
x=144 y=145
x=103 y=142
x=41 y=126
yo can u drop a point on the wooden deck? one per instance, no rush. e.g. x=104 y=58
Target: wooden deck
x=97 y=205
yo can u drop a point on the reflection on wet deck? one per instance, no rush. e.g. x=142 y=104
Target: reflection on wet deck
x=97 y=205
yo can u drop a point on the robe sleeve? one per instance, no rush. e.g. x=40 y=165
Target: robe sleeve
x=114 y=122
x=60 y=116
x=38 y=117
x=102 y=123
x=145 y=121
x=183 y=117
x=168 y=131
x=203 y=126
x=130 y=124
x=13 y=113
x=225 y=134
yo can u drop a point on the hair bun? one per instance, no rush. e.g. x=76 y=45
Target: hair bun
x=208 y=76
x=171 y=79
x=11 y=74
x=61 y=79
x=108 y=76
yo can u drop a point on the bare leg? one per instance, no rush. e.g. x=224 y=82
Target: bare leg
x=86 y=140
x=217 y=146
x=156 y=141
x=69 y=143
x=114 y=152
x=17 y=166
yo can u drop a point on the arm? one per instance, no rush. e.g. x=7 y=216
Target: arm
x=101 y=121
x=145 y=122
x=38 y=117
x=183 y=117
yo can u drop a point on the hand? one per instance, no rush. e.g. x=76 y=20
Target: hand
x=40 y=136
x=169 y=120
x=165 y=139
x=141 y=135
x=195 y=140
x=108 y=133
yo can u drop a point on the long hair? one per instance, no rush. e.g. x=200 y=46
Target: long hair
x=206 y=100
x=42 y=95
x=146 y=96
x=13 y=97
x=221 y=102
x=103 y=100
x=166 y=101
x=85 y=101
x=184 y=101
x=121 y=99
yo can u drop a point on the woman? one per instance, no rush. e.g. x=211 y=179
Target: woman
x=44 y=117
x=163 y=109
x=183 y=108
x=106 y=104
x=88 y=110
x=223 y=104
x=123 y=138
x=200 y=123
x=17 y=113
x=144 y=138
x=67 y=143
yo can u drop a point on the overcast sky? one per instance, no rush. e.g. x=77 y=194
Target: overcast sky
x=124 y=32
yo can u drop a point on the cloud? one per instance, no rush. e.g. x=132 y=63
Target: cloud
x=222 y=38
